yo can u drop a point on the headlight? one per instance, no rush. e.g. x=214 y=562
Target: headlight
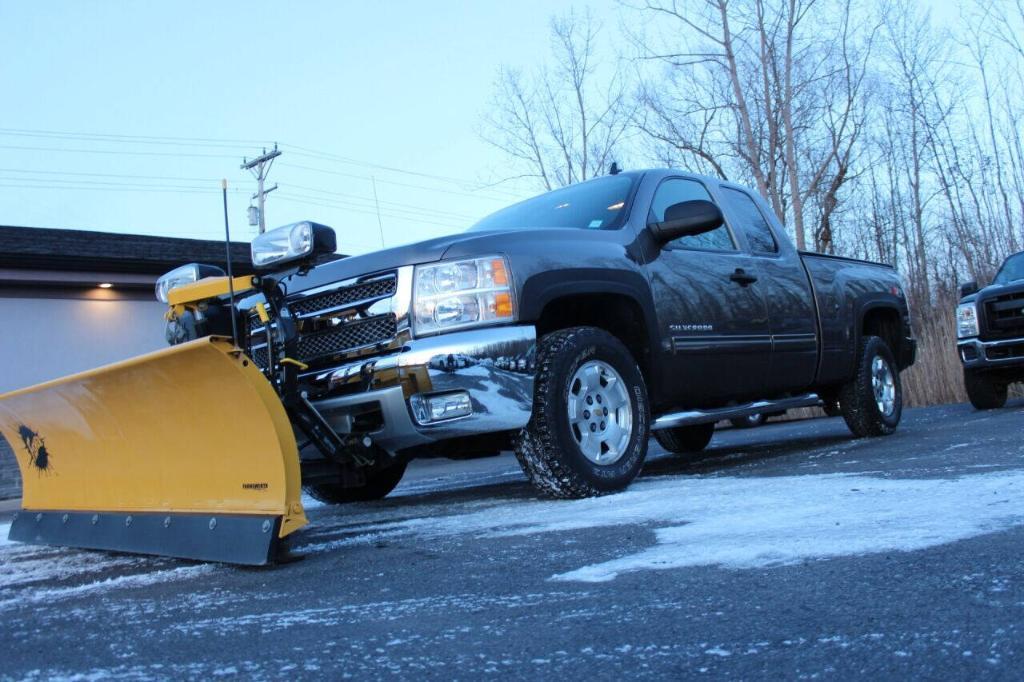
x=177 y=277
x=966 y=320
x=292 y=242
x=465 y=293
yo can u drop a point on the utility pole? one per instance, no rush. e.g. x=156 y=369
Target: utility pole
x=260 y=167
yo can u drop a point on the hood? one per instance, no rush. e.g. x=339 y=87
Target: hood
x=366 y=264
x=993 y=290
x=429 y=251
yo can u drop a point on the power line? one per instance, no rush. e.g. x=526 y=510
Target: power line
x=394 y=182
x=70 y=183
x=141 y=139
x=375 y=200
x=355 y=208
x=326 y=156
x=109 y=175
x=161 y=190
x=115 y=151
x=465 y=184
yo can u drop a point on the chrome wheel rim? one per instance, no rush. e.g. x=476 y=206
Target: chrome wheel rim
x=883 y=383
x=600 y=412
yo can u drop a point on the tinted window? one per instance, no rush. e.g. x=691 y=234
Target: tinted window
x=1012 y=270
x=677 y=190
x=598 y=204
x=751 y=221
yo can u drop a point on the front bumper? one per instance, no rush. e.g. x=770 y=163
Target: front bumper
x=494 y=366
x=978 y=354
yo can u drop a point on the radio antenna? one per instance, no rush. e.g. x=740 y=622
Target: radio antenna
x=231 y=275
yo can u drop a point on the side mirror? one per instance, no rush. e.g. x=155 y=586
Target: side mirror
x=687 y=218
x=968 y=288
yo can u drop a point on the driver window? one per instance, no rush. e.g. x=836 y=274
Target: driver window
x=677 y=190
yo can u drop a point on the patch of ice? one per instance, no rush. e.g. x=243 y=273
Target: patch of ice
x=136 y=580
x=747 y=522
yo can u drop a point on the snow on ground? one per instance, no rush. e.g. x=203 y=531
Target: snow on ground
x=71 y=572
x=747 y=522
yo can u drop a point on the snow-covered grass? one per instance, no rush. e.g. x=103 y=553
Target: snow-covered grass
x=742 y=523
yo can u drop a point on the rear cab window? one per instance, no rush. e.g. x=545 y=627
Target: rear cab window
x=751 y=221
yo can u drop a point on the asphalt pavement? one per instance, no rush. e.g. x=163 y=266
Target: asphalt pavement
x=788 y=551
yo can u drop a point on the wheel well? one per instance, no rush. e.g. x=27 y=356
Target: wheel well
x=884 y=323
x=617 y=314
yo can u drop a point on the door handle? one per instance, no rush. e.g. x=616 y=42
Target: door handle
x=742 y=278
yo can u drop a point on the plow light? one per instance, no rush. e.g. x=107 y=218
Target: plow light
x=292 y=242
x=186 y=274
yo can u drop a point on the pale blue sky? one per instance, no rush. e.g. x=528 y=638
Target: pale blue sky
x=399 y=84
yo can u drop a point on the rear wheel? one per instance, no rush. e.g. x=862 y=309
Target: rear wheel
x=872 y=403
x=985 y=391
x=684 y=440
x=334 y=485
x=590 y=424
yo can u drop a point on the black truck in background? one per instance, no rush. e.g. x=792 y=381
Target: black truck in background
x=569 y=328
x=990 y=334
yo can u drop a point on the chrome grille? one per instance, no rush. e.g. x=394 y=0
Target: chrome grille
x=348 y=337
x=362 y=292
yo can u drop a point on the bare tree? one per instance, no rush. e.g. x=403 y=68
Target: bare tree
x=754 y=91
x=563 y=123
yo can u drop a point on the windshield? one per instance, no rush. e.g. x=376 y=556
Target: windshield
x=598 y=204
x=1012 y=270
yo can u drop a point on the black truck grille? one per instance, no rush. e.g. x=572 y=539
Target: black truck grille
x=1004 y=315
x=348 y=337
x=333 y=323
x=372 y=290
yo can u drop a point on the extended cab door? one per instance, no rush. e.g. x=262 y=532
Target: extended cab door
x=711 y=316
x=783 y=282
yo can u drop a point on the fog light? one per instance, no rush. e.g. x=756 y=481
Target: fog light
x=435 y=408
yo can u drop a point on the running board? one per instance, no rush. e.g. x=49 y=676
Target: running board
x=692 y=417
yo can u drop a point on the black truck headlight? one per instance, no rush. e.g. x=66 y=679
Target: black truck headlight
x=966 y=320
x=292 y=242
x=460 y=294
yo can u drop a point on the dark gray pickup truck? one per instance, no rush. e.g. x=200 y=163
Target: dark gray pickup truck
x=990 y=333
x=569 y=328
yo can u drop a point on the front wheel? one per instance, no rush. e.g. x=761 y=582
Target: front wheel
x=591 y=420
x=984 y=391
x=334 y=485
x=872 y=402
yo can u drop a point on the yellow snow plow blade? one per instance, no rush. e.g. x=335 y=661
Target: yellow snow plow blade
x=184 y=452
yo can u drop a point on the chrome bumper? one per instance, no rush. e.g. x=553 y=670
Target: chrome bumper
x=977 y=354
x=494 y=366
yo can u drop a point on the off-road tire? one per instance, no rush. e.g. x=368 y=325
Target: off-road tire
x=685 y=440
x=547 y=449
x=749 y=422
x=379 y=483
x=985 y=391
x=857 y=401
